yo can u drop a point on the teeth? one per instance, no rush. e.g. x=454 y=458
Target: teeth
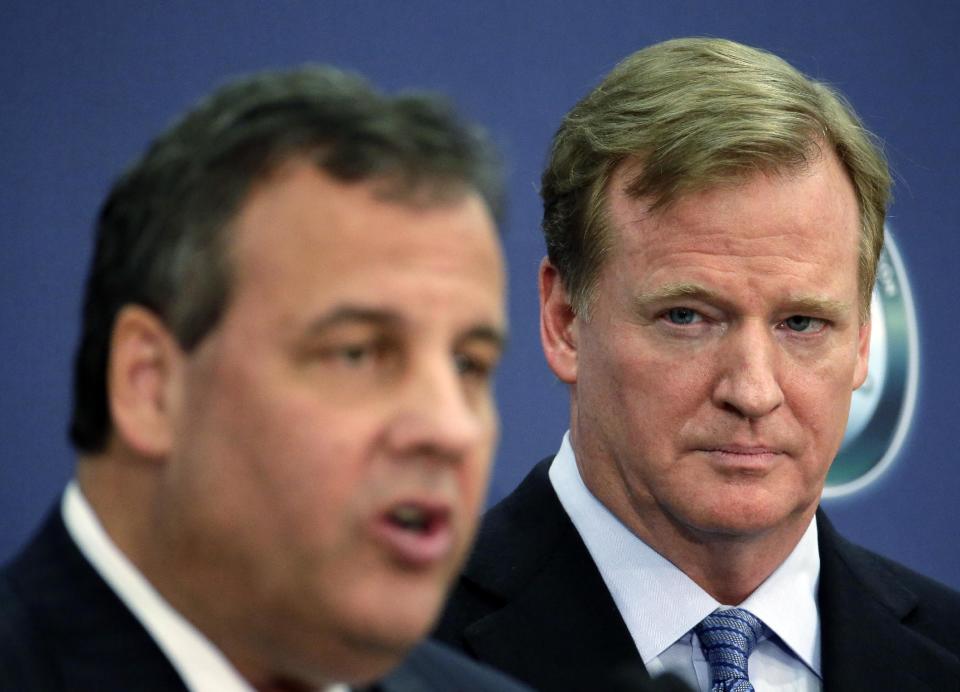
x=409 y=517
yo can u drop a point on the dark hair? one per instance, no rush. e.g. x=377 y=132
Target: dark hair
x=160 y=235
x=695 y=113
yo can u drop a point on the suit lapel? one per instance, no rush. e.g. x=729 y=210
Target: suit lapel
x=553 y=595
x=864 y=611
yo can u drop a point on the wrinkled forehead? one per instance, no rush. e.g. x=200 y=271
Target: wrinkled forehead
x=809 y=210
x=660 y=189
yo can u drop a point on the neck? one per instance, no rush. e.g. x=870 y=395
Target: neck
x=121 y=489
x=729 y=568
x=276 y=647
x=727 y=564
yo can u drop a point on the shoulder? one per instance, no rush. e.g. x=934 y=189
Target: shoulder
x=63 y=627
x=893 y=574
x=529 y=516
x=516 y=536
x=924 y=605
x=25 y=657
x=42 y=594
x=889 y=577
x=433 y=666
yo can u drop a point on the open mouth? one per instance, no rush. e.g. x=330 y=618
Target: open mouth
x=416 y=533
x=415 y=518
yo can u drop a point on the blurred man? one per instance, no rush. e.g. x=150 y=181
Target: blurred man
x=713 y=221
x=283 y=404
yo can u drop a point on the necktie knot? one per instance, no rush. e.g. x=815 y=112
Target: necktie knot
x=728 y=637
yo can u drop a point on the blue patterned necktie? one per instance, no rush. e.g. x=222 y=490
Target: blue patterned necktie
x=728 y=638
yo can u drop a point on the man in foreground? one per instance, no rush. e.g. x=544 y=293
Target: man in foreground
x=283 y=405
x=713 y=222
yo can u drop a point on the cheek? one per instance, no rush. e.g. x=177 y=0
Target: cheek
x=279 y=453
x=611 y=369
x=821 y=389
x=825 y=417
x=311 y=452
x=475 y=474
x=478 y=473
x=819 y=401
x=660 y=391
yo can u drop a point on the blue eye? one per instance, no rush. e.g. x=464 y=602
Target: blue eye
x=682 y=316
x=803 y=324
x=797 y=323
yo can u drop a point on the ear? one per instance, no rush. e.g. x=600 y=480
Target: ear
x=557 y=324
x=863 y=355
x=143 y=365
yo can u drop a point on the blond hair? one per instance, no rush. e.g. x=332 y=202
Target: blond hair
x=696 y=113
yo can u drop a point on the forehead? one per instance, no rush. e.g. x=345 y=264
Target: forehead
x=303 y=239
x=804 y=215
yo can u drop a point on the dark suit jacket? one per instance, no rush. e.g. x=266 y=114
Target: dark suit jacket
x=532 y=603
x=63 y=629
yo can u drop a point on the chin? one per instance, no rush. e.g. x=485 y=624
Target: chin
x=745 y=519
x=398 y=615
x=381 y=646
x=361 y=649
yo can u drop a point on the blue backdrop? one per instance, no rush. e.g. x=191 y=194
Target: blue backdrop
x=85 y=85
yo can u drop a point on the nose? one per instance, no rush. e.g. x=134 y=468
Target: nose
x=437 y=417
x=749 y=383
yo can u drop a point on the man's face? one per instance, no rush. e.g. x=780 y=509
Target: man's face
x=712 y=379
x=334 y=433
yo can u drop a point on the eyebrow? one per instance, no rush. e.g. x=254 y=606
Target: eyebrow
x=803 y=304
x=377 y=317
x=673 y=291
x=350 y=314
x=487 y=333
x=819 y=306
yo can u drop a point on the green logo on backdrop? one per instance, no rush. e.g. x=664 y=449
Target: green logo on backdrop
x=882 y=408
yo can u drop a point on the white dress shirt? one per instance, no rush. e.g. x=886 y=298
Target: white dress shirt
x=661 y=605
x=201 y=665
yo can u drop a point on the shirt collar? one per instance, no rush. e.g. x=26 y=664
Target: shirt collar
x=787 y=600
x=658 y=602
x=200 y=664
